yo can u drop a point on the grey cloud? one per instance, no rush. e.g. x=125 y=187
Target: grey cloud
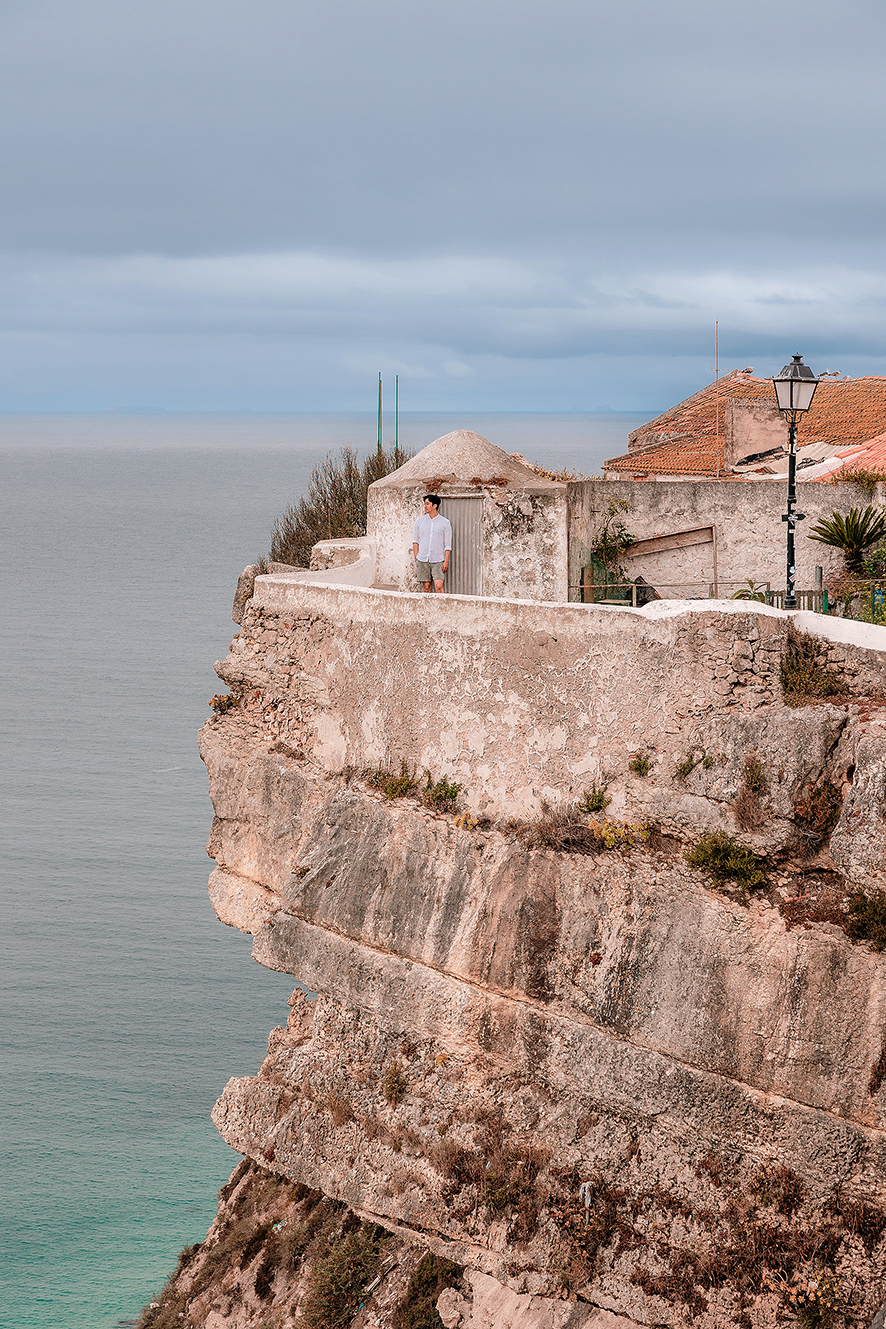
x=498 y=196
x=207 y=126
x=454 y=316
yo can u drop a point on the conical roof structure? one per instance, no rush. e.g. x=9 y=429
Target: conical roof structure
x=464 y=458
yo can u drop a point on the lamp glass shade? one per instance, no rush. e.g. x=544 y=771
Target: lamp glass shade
x=795 y=386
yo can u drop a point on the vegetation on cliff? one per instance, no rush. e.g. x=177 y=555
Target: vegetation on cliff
x=282 y=1254
x=334 y=506
x=805 y=674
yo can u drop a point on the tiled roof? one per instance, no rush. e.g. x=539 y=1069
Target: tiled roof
x=689 y=438
x=870 y=456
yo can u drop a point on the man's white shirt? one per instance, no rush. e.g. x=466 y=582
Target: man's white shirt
x=433 y=535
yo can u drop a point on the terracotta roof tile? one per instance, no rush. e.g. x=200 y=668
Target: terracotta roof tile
x=870 y=456
x=689 y=438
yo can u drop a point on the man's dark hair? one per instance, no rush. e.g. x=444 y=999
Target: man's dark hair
x=433 y=498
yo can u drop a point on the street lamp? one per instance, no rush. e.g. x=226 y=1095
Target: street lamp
x=794 y=389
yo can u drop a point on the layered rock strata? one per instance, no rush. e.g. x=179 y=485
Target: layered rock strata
x=582 y=1076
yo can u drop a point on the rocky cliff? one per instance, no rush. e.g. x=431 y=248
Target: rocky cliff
x=592 y=915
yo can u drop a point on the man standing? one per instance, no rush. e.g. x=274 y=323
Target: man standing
x=432 y=543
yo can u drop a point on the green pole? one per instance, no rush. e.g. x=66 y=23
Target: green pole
x=379 y=413
x=396 y=413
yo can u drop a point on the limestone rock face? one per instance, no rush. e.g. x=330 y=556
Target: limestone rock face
x=243 y=593
x=858 y=844
x=489 y=1303
x=613 y=1092
x=613 y=1018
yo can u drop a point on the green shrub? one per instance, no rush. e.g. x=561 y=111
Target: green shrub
x=440 y=795
x=804 y=671
x=614 y=539
x=683 y=769
x=595 y=799
x=338 y=1281
x=867 y=918
x=724 y=860
x=753 y=773
x=335 y=504
x=874 y=565
x=394 y=1084
x=221 y=704
x=640 y=763
x=418 y=1309
x=866 y=479
x=398 y=786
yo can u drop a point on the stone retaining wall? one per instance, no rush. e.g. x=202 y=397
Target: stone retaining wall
x=518 y=702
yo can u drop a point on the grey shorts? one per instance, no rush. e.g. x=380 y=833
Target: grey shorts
x=428 y=571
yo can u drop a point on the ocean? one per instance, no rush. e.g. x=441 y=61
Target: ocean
x=124 y=1004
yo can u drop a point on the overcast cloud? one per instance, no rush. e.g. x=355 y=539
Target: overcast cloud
x=517 y=205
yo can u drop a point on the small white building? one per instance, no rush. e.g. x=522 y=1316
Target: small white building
x=509 y=524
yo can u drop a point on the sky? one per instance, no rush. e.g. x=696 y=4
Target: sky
x=528 y=205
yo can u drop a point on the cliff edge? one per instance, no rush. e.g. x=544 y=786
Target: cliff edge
x=590 y=1082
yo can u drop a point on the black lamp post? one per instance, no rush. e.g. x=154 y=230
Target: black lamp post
x=794 y=389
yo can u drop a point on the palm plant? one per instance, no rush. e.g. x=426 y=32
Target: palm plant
x=854 y=533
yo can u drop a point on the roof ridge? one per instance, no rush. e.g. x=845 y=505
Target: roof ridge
x=698 y=396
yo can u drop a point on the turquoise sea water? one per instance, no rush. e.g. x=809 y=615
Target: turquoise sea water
x=124 y=1004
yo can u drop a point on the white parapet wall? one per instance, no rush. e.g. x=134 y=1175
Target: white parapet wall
x=336 y=563
x=846 y=631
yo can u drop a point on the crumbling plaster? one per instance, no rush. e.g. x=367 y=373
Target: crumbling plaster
x=524 y=516
x=747 y=516
x=523 y=537
x=750 y=427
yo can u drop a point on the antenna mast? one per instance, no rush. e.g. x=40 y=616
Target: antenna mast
x=717 y=399
x=379 y=413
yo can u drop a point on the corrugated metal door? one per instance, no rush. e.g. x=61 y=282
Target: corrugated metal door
x=465 y=576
